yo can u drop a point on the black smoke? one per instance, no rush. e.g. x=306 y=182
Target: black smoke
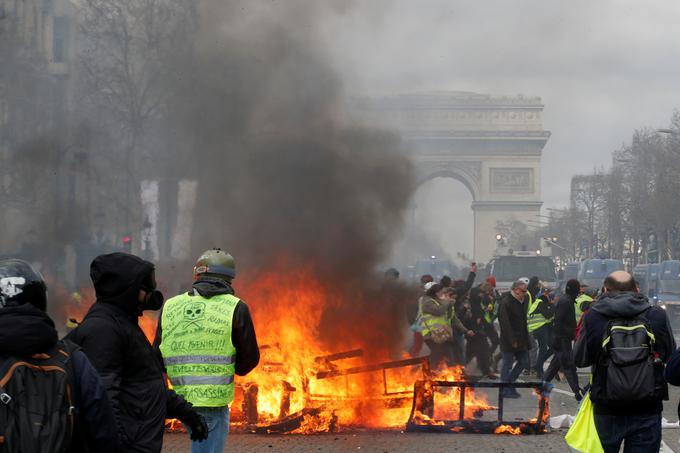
x=248 y=103
x=282 y=167
x=285 y=174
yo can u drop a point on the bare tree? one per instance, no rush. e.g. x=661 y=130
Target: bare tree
x=588 y=194
x=124 y=63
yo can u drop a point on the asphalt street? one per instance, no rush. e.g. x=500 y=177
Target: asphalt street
x=562 y=402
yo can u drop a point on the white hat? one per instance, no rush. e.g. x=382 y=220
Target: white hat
x=524 y=280
x=428 y=285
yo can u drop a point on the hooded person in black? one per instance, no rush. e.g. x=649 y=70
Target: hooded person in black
x=478 y=345
x=638 y=424
x=562 y=335
x=25 y=330
x=130 y=370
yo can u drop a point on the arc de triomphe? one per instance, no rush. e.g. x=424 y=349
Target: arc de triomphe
x=492 y=145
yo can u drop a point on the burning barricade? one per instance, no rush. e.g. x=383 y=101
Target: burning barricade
x=304 y=385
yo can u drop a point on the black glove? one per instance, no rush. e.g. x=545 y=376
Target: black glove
x=197 y=425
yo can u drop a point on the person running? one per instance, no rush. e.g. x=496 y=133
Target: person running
x=440 y=324
x=478 y=345
x=563 y=334
x=512 y=316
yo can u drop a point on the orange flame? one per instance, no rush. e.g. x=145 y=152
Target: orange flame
x=289 y=310
x=507 y=429
x=79 y=303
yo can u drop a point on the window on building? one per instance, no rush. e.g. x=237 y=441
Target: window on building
x=60 y=39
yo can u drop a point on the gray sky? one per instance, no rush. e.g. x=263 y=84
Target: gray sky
x=602 y=68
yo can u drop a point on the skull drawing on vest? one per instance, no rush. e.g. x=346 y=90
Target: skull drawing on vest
x=193 y=313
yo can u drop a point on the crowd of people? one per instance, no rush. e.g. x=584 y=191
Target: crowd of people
x=626 y=341
x=105 y=386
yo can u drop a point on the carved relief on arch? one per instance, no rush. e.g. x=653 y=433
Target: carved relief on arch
x=467 y=172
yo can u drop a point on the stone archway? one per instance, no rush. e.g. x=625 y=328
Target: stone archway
x=493 y=145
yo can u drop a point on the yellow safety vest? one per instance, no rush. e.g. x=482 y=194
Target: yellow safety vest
x=535 y=320
x=430 y=321
x=577 y=305
x=490 y=316
x=197 y=349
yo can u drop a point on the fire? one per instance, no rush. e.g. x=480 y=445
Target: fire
x=300 y=372
x=507 y=429
x=320 y=370
x=79 y=302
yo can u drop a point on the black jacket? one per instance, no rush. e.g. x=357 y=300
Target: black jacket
x=672 y=373
x=462 y=290
x=479 y=301
x=564 y=324
x=588 y=347
x=545 y=308
x=24 y=331
x=242 y=330
x=119 y=350
x=512 y=317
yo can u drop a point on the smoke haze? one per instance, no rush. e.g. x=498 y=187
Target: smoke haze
x=286 y=179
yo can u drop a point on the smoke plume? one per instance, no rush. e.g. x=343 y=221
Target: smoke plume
x=241 y=96
x=286 y=178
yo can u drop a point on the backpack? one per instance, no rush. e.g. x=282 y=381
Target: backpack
x=629 y=370
x=36 y=402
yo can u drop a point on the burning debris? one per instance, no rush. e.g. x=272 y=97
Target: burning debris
x=329 y=396
x=426 y=416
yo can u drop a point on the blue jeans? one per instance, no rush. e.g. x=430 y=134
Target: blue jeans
x=542 y=336
x=642 y=433
x=510 y=373
x=217 y=419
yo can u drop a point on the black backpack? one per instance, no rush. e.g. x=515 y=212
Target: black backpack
x=629 y=370
x=36 y=401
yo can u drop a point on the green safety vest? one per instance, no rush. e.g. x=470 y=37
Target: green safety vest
x=577 y=305
x=535 y=320
x=197 y=349
x=430 y=321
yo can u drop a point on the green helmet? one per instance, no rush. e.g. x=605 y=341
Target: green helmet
x=215 y=262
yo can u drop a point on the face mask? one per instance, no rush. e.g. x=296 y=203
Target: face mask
x=153 y=300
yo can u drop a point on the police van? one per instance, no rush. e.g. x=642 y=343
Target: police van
x=592 y=272
x=509 y=268
x=668 y=292
x=647 y=277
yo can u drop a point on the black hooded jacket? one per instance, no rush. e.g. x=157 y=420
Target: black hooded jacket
x=26 y=330
x=242 y=330
x=588 y=347
x=534 y=287
x=564 y=324
x=130 y=370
